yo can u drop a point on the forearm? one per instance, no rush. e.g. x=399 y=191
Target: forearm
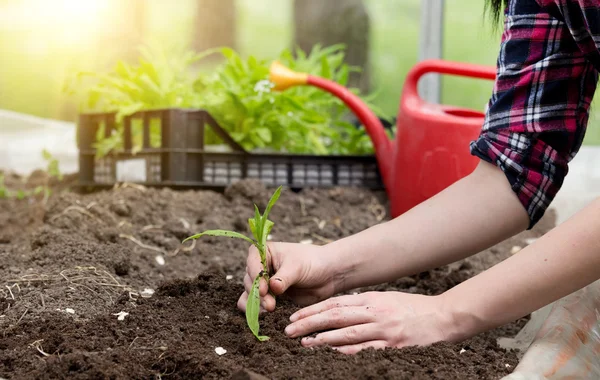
x=562 y=261
x=466 y=218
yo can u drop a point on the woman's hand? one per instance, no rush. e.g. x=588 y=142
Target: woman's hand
x=304 y=272
x=373 y=319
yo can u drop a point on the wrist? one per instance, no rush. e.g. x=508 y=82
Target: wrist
x=458 y=318
x=351 y=260
x=334 y=267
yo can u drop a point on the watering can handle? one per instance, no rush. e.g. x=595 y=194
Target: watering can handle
x=445 y=67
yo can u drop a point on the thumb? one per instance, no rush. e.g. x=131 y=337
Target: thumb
x=283 y=279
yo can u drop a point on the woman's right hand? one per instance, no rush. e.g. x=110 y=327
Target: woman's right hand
x=300 y=271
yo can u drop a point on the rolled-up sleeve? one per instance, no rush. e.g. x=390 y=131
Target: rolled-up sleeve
x=538 y=113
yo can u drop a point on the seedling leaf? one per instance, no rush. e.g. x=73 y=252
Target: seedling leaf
x=230 y=234
x=253 y=309
x=252 y=224
x=267 y=227
x=257 y=224
x=272 y=201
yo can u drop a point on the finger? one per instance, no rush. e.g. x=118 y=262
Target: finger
x=341 y=301
x=241 y=304
x=247 y=283
x=330 y=319
x=351 y=335
x=253 y=263
x=287 y=270
x=354 y=348
x=243 y=300
x=263 y=288
x=267 y=301
x=253 y=268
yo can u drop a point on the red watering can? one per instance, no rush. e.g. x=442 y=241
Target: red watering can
x=431 y=149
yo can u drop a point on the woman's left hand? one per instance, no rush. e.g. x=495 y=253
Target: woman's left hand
x=373 y=319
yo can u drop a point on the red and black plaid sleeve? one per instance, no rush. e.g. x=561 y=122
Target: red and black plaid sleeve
x=538 y=112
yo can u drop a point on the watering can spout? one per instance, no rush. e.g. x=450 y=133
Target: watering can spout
x=284 y=78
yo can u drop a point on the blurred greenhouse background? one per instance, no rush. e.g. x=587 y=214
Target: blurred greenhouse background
x=45 y=42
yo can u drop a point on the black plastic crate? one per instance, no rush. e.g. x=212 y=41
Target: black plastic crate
x=182 y=160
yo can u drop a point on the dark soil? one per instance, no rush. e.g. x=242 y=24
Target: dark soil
x=68 y=267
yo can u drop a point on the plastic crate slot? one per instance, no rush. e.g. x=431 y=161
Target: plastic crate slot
x=103 y=172
x=267 y=173
x=221 y=173
x=209 y=172
x=235 y=171
x=299 y=174
x=326 y=175
x=313 y=176
x=154 y=172
x=281 y=174
x=343 y=171
x=155 y=132
x=252 y=171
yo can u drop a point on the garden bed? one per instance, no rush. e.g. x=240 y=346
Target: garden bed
x=69 y=267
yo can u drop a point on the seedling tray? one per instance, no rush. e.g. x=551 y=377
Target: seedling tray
x=182 y=160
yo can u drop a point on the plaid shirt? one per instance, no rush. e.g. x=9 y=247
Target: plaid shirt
x=538 y=112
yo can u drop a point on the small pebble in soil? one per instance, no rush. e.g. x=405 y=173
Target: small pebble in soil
x=160 y=260
x=185 y=223
x=147 y=293
x=530 y=241
x=121 y=315
x=229 y=277
x=220 y=351
x=507 y=365
x=70 y=311
x=515 y=249
x=269 y=237
x=462 y=350
x=306 y=241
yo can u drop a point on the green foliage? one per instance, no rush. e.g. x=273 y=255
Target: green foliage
x=20 y=194
x=238 y=94
x=260 y=226
x=52 y=169
x=302 y=119
x=159 y=80
x=3 y=190
x=230 y=234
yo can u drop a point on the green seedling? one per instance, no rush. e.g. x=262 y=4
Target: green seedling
x=20 y=194
x=261 y=227
x=53 y=168
x=4 y=193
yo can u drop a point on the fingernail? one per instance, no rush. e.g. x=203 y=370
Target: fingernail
x=307 y=340
x=289 y=330
x=293 y=317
